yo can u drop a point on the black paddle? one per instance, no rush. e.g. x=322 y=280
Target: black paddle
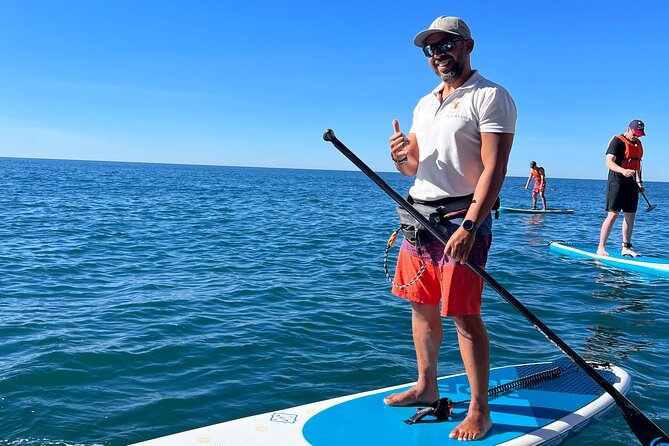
x=648 y=433
x=650 y=206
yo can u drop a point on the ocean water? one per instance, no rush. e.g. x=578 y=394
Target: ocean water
x=139 y=300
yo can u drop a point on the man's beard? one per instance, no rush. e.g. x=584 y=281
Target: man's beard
x=456 y=71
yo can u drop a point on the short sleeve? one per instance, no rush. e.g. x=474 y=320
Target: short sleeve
x=616 y=148
x=498 y=112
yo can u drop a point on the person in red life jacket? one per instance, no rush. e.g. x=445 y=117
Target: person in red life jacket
x=623 y=158
x=539 y=175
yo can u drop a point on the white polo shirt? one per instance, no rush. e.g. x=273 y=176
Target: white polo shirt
x=449 y=136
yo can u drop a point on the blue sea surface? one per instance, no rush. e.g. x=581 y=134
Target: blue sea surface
x=140 y=300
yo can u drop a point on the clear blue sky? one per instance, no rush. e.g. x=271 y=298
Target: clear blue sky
x=255 y=83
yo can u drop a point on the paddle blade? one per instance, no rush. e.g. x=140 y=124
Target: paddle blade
x=651 y=207
x=645 y=430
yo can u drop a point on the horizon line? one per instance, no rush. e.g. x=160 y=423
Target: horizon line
x=264 y=167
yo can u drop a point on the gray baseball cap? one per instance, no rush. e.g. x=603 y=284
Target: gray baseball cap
x=444 y=24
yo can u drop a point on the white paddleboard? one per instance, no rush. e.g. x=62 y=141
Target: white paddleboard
x=648 y=265
x=545 y=413
x=535 y=211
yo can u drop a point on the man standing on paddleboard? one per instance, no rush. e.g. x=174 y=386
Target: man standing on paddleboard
x=458 y=148
x=623 y=158
x=539 y=175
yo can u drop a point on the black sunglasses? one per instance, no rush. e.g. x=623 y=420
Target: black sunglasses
x=443 y=46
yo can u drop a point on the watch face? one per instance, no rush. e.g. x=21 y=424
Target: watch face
x=468 y=225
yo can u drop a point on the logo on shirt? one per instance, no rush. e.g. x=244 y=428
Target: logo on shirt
x=455 y=104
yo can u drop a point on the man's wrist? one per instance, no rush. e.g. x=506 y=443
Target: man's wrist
x=469 y=226
x=400 y=161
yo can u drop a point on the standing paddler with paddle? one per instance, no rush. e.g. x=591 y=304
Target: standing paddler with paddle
x=458 y=148
x=623 y=158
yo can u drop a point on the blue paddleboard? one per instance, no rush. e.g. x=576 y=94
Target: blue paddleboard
x=545 y=412
x=647 y=265
x=535 y=211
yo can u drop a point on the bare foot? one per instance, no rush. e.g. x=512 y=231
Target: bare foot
x=475 y=426
x=414 y=395
x=602 y=252
x=629 y=253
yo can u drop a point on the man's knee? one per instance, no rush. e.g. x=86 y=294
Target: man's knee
x=469 y=325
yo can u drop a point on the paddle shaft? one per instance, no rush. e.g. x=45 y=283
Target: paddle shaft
x=645 y=430
x=650 y=206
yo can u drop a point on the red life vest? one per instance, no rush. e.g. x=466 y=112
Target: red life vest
x=633 y=154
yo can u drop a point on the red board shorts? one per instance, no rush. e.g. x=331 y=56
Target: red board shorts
x=455 y=286
x=538 y=189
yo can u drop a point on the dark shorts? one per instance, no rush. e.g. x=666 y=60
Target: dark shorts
x=622 y=196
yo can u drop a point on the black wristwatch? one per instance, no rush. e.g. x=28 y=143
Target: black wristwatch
x=469 y=226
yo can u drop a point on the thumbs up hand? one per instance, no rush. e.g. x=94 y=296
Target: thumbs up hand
x=399 y=144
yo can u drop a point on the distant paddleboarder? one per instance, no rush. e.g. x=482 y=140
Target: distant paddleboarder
x=458 y=148
x=539 y=175
x=623 y=158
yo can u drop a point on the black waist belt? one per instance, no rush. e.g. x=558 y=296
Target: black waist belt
x=445 y=205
